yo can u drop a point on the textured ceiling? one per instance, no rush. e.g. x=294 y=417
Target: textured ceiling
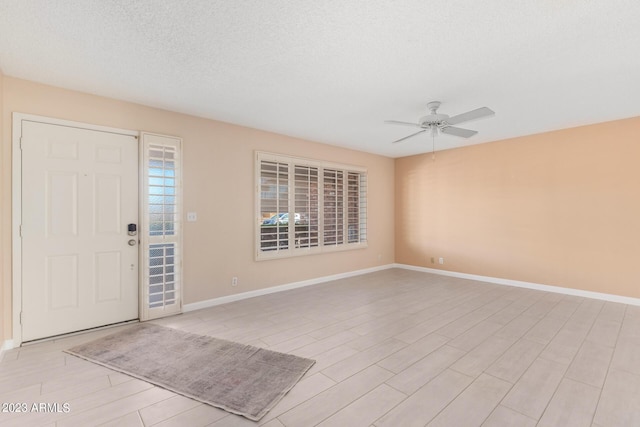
x=333 y=70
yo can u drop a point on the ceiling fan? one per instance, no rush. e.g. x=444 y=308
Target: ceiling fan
x=442 y=123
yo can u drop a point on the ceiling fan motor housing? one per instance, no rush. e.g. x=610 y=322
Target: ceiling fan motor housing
x=433 y=119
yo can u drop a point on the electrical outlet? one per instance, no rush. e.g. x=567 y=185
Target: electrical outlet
x=441 y=260
x=234 y=281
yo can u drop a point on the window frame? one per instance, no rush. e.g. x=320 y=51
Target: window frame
x=290 y=245
x=151 y=239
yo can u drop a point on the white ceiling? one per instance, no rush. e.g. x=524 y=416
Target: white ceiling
x=333 y=70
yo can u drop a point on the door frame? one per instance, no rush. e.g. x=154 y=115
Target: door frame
x=16 y=204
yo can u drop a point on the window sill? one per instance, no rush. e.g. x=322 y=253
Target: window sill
x=292 y=253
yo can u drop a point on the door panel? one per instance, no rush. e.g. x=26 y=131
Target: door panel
x=61 y=276
x=108 y=192
x=79 y=192
x=62 y=203
x=107 y=276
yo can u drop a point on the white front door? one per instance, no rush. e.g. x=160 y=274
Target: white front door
x=79 y=193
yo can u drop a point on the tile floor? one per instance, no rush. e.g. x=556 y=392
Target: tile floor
x=393 y=348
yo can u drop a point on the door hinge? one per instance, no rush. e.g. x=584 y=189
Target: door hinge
x=20 y=230
x=21 y=318
x=20 y=144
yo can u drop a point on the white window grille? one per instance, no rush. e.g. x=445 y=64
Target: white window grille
x=306 y=206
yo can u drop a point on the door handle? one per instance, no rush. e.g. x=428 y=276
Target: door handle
x=132 y=242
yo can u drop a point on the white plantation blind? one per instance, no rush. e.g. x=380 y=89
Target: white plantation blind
x=274 y=190
x=162 y=275
x=306 y=206
x=161 y=226
x=356 y=207
x=333 y=207
x=161 y=182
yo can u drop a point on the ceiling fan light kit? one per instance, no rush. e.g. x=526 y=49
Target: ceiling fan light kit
x=442 y=123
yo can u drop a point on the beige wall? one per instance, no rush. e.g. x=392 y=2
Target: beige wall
x=560 y=208
x=219 y=186
x=5 y=226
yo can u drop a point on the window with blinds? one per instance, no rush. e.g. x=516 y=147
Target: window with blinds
x=274 y=190
x=162 y=275
x=162 y=190
x=306 y=206
x=161 y=226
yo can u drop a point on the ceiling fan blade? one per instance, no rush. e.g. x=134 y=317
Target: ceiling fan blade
x=470 y=115
x=396 y=122
x=410 y=136
x=465 y=133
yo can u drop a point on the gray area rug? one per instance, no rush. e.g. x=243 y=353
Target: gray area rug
x=238 y=378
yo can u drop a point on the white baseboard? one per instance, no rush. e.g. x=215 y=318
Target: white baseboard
x=508 y=282
x=244 y=295
x=528 y=285
x=7 y=345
